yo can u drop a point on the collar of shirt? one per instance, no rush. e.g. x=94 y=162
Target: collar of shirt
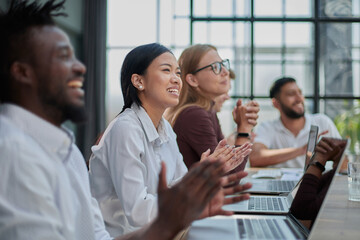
x=157 y=136
x=281 y=128
x=50 y=137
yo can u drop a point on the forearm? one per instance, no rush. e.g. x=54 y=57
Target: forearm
x=308 y=199
x=266 y=157
x=315 y=171
x=243 y=129
x=241 y=140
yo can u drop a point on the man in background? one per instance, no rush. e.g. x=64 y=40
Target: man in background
x=282 y=142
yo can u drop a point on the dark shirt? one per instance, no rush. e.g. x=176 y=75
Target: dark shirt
x=310 y=196
x=197 y=130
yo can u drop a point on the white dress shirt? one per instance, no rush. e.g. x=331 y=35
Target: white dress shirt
x=124 y=169
x=274 y=135
x=44 y=183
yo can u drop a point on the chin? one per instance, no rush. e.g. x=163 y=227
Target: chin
x=222 y=91
x=75 y=113
x=172 y=103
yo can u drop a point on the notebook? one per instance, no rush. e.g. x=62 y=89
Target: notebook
x=278 y=186
x=269 y=204
x=251 y=226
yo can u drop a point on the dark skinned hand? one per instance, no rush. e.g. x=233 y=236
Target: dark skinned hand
x=185 y=201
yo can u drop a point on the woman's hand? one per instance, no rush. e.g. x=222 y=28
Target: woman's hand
x=245 y=116
x=231 y=156
x=239 y=156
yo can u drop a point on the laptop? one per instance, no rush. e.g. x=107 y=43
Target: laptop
x=238 y=227
x=251 y=226
x=265 y=204
x=269 y=204
x=277 y=186
x=313 y=134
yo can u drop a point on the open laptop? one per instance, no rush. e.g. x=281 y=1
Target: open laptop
x=269 y=204
x=238 y=227
x=277 y=186
x=251 y=226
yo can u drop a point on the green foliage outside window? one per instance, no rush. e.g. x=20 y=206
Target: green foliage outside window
x=348 y=125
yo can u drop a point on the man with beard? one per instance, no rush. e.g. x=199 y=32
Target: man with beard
x=44 y=183
x=282 y=142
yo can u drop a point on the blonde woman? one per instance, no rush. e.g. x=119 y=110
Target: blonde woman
x=205 y=76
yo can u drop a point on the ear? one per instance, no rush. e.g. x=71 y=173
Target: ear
x=191 y=80
x=275 y=103
x=137 y=81
x=22 y=72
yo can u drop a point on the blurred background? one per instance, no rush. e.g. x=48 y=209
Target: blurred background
x=315 y=41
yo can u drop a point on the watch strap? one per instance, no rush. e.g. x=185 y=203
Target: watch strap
x=242 y=135
x=319 y=166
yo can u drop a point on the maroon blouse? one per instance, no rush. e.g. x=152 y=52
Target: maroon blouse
x=198 y=130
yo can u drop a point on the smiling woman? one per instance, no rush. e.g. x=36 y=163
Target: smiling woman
x=205 y=77
x=125 y=164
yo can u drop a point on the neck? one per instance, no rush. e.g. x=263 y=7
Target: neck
x=47 y=113
x=293 y=125
x=154 y=113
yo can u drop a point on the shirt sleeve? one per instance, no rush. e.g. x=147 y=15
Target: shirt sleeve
x=181 y=169
x=333 y=132
x=128 y=173
x=27 y=202
x=99 y=226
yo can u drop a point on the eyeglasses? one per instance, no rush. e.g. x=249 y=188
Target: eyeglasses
x=216 y=66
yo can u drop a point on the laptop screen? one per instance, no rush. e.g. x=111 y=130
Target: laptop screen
x=311 y=145
x=341 y=155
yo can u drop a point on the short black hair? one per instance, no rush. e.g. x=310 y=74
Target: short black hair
x=275 y=88
x=15 y=32
x=137 y=61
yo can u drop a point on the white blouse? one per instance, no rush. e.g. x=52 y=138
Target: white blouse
x=124 y=169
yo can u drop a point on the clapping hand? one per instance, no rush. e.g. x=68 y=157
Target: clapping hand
x=245 y=116
x=230 y=155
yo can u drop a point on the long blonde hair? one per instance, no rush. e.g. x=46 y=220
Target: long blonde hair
x=189 y=95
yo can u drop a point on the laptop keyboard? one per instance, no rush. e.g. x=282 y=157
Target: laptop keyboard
x=265 y=204
x=259 y=229
x=283 y=186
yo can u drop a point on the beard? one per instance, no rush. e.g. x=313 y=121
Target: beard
x=76 y=114
x=291 y=113
x=59 y=107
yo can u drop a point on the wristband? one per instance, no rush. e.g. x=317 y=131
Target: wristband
x=243 y=135
x=318 y=165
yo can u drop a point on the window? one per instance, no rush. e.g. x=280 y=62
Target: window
x=315 y=41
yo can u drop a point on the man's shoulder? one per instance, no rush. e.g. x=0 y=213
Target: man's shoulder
x=269 y=124
x=17 y=147
x=10 y=134
x=317 y=118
